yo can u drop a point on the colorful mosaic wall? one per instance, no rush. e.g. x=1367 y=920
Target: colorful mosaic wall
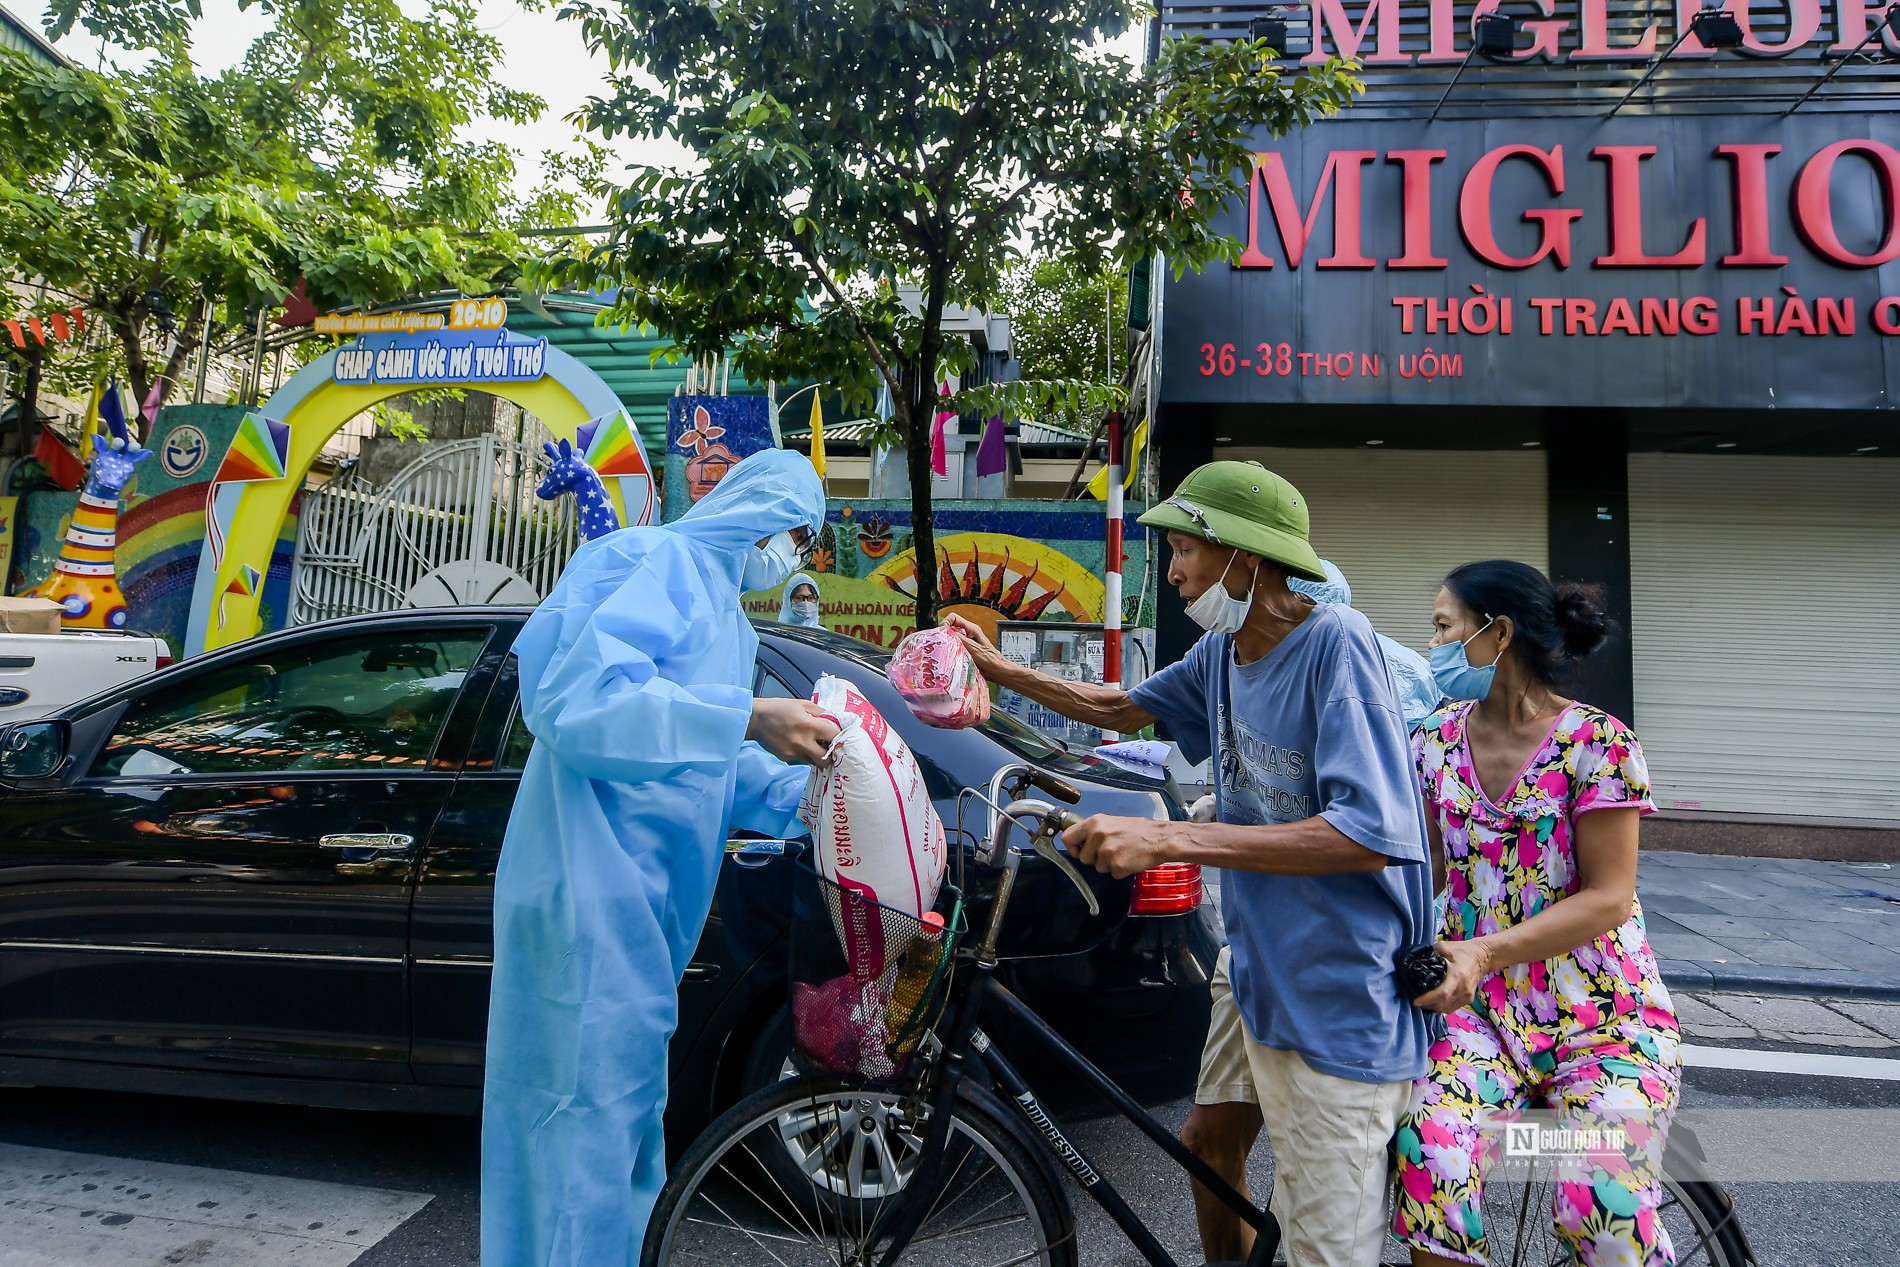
x=161 y=525
x=996 y=560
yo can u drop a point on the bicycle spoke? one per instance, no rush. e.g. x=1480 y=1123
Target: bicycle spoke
x=744 y=1231
x=757 y=1160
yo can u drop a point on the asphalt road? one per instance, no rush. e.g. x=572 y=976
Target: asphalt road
x=358 y=1168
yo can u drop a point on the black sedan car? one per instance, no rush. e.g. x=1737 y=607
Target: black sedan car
x=267 y=873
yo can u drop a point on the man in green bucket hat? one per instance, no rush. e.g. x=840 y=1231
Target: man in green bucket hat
x=1320 y=838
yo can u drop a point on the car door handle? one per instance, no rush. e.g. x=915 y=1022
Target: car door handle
x=389 y=844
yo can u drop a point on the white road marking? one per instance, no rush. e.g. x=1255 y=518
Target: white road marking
x=59 y=1209
x=1797 y=1062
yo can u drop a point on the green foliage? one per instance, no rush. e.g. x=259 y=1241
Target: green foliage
x=862 y=164
x=399 y=424
x=159 y=196
x=1066 y=322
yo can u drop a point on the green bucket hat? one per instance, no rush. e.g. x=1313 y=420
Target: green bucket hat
x=1244 y=505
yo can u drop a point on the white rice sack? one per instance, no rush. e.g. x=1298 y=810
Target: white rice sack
x=876 y=832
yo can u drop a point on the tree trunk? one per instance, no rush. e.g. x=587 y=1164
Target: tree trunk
x=180 y=358
x=27 y=423
x=922 y=381
x=125 y=325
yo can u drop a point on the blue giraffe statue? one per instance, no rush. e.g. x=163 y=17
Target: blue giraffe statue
x=85 y=580
x=571 y=474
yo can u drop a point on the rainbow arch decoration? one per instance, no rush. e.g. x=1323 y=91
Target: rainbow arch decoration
x=264 y=467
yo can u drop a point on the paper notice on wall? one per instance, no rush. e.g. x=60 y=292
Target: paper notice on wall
x=1092 y=658
x=1018 y=646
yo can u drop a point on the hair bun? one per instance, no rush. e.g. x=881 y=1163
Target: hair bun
x=1581 y=618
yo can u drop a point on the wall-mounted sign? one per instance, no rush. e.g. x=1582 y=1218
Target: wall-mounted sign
x=447 y=356
x=1740 y=260
x=463 y=314
x=183 y=451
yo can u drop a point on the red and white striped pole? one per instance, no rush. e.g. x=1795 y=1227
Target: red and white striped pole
x=1112 y=581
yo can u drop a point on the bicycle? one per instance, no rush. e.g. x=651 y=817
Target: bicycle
x=948 y=1156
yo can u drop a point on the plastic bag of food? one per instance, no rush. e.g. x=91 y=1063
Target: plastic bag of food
x=876 y=832
x=938 y=679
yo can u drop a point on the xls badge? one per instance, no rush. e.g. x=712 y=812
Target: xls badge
x=183 y=452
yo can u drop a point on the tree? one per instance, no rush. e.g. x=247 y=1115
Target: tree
x=850 y=149
x=171 y=203
x=1066 y=322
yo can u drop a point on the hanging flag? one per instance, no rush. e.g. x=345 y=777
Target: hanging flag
x=62 y=467
x=149 y=410
x=939 y=453
x=112 y=412
x=94 y=420
x=65 y=323
x=992 y=451
x=818 y=431
x=1098 y=487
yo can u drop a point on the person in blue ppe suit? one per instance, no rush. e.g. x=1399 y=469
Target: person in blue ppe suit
x=1411 y=672
x=636 y=682
x=800 y=604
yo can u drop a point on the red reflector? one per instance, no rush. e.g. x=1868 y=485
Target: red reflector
x=164 y=661
x=1173 y=888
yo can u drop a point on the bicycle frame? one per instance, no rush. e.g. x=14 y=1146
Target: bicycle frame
x=979 y=990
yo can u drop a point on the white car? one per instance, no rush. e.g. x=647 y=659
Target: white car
x=42 y=673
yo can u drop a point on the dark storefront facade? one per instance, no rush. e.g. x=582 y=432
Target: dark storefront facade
x=1657 y=348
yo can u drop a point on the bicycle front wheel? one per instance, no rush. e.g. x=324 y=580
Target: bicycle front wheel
x=809 y=1171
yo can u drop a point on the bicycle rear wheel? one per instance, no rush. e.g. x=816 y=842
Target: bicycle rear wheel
x=732 y=1197
x=1698 y=1214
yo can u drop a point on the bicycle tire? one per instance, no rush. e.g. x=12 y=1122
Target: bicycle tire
x=716 y=1166
x=1523 y=1236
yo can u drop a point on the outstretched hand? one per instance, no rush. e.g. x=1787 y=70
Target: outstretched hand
x=982 y=650
x=793 y=730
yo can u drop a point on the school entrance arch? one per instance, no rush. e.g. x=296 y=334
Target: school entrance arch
x=272 y=452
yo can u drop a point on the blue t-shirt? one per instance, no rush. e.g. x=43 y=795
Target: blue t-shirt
x=1313 y=728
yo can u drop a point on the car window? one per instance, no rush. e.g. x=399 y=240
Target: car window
x=371 y=702
x=515 y=749
x=768 y=685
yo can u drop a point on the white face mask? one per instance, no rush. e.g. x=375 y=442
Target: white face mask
x=805 y=609
x=768 y=565
x=1217 y=611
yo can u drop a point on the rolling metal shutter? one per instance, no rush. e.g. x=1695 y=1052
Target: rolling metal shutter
x=1766 y=600
x=1396 y=520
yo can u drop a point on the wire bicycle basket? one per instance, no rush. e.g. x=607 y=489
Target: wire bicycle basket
x=867 y=981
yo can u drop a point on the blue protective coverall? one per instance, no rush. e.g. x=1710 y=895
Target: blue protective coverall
x=636 y=682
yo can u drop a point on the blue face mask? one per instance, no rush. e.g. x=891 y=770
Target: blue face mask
x=1456 y=676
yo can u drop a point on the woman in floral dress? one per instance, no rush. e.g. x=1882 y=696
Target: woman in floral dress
x=1552 y=997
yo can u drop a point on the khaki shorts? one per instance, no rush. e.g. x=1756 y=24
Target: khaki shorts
x=1226 y=1077
x=1329 y=1136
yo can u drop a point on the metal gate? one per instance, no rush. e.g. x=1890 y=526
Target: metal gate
x=459 y=525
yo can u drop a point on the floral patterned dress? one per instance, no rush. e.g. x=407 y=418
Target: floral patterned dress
x=1590 y=1036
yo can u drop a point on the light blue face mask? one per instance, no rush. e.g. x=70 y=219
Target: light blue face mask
x=1456 y=676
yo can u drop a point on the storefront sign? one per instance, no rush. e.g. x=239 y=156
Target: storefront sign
x=1747 y=260
x=447 y=356
x=1579 y=30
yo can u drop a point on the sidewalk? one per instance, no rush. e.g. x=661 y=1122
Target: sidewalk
x=1773 y=925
